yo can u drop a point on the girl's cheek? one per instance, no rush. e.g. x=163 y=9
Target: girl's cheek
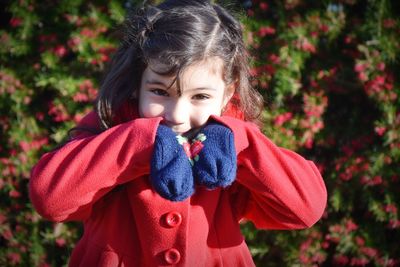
x=202 y=117
x=152 y=110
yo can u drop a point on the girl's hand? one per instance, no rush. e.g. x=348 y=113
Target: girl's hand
x=214 y=156
x=178 y=162
x=171 y=170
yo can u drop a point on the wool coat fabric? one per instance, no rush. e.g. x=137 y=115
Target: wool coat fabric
x=103 y=180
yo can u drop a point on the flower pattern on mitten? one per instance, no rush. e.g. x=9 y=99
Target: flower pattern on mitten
x=192 y=148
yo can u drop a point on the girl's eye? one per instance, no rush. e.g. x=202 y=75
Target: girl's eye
x=201 y=97
x=159 y=92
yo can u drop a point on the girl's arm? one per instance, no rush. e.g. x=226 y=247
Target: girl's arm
x=66 y=182
x=282 y=189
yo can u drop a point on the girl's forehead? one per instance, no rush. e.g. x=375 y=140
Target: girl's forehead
x=212 y=65
x=204 y=73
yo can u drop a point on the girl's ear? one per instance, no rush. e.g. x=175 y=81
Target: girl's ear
x=229 y=91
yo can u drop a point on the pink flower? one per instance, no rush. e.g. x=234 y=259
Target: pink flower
x=104 y=58
x=39 y=143
x=318 y=125
x=282 y=118
x=74 y=41
x=27 y=100
x=304 y=259
x=15 y=258
x=325 y=245
x=60 y=50
x=370 y=252
x=359 y=262
x=348 y=39
x=306 y=244
x=274 y=59
x=269 y=69
x=324 y=28
x=360 y=67
x=307 y=46
x=389 y=23
x=60 y=242
x=85 y=84
x=80 y=97
x=380 y=130
x=86 y=92
x=333 y=238
x=377 y=180
x=88 y=33
x=394 y=224
x=263 y=31
x=314 y=34
x=309 y=143
x=294 y=24
x=381 y=66
x=362 y=76
x=47 y=38
x=360 y=241
x=23 y=158
x=379 y=80
x=341 y=260
x=254 y=72
x=7 y=234
x=58 y=112
x=102 y=29
x=318 y=258
x=391 y=208
x=39 y=116
x=15 y=22
x=25 y=146
x=263 y=6
x=14 y=193
x=10 y=170
x=351 y=226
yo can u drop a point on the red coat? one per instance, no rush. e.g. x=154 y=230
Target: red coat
x=102 y=180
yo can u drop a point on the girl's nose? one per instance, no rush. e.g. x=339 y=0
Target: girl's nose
x=177 y=112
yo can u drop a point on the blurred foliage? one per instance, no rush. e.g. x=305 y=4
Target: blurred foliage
x=328 y=71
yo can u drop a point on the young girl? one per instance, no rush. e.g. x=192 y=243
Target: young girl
x=171 y=159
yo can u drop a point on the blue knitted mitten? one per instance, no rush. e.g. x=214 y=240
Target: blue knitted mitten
x=171 y=171
x=216 y=163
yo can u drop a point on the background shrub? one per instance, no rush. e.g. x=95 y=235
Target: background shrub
x=329 y=73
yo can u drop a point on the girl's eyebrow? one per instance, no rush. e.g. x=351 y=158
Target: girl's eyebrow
x=202 y=88
x=155 y=82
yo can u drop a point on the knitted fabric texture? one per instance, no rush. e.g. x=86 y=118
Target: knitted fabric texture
x=216 y=163
x=171 y=172
x=177 y=163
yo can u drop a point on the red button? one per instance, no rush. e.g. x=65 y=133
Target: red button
x=172 y=256
x=173 y=218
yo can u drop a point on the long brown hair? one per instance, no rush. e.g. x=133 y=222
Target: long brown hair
x=177 y=33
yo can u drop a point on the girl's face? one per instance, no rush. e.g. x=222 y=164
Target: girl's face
x=203 y=93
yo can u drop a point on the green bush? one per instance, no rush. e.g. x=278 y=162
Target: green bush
x=329 y=73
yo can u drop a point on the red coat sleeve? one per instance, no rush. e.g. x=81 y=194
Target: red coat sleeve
x=285 y=191
x=65 y=183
